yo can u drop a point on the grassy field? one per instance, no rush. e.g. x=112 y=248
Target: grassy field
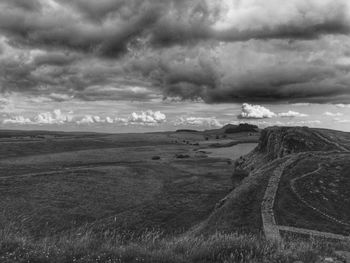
x=343 y=138
x=53 y=183
x=158 y=197
x=152 y=247
x=241 y=211
x=232 y=152
x=326 y=190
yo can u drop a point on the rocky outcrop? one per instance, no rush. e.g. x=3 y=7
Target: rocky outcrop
x=277 y=142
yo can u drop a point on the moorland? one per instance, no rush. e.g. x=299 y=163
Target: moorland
x=182 y=196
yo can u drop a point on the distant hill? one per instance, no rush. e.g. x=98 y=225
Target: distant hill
x=186 y=130
x=242 y=127
x=232 y=128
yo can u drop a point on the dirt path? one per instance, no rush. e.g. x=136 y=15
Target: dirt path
x=301 y=199
x=325 y=139
x=270 y=227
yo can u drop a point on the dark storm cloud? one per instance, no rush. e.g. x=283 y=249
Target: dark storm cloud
x=57 y=59
x=27 y=5
x=16 y=76
x=116 y=94
x=170 y=33
x=87 y=45
x=238 y=76
x=116 y=23
x=271 y=85
x=68 y=30
x=95 y=10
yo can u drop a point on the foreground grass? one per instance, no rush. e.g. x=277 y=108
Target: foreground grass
x=152 y=247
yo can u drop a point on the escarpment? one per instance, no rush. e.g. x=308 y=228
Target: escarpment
x=277 y=142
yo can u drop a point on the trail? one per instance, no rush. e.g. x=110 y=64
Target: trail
x=295 y=191
x=325 y=139
x=270 y=227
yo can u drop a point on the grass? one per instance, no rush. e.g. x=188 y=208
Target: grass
x=153 y=247
x=34 y=143
x=291 y=212
x=241 y=211
x=131 y=196
x=110 y=187
x=65 y=200
x=116 y=204
x=328 y=190
x=342 y=138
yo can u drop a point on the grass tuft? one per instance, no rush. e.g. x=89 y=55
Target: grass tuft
x=152 y=246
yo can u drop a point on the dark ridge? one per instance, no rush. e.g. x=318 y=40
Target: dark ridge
x=243 y=127
x=277 y=142
x=186 y=130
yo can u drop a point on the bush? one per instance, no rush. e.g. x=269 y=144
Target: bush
x=156 y=158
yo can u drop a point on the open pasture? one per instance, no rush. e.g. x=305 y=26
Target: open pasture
x=232 y=152
x=53 y=184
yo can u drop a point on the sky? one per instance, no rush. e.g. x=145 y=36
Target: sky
x=156 y=65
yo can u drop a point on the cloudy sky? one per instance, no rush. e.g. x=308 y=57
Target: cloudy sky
x=146 y=65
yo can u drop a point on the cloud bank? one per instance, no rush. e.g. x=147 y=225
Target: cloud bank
x=250 y=111
x=147 y=118
x=331 y=114
x=143 y=118
x=55 y=117
x=145 y=50
x=255 y=112
x=197 y=121
x=291 y=114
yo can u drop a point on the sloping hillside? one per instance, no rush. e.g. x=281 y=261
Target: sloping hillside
x=288 y=149
x=277 y=142
x=101 y=204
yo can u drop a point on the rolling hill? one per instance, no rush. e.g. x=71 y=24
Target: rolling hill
x=310 y=191
x=81 y=197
